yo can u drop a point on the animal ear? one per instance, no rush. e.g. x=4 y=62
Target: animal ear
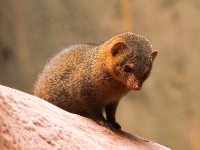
x=154 y=54
x=117 y=47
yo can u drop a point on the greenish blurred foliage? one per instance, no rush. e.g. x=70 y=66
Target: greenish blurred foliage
x=167 y=109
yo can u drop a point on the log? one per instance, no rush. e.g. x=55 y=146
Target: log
x=30 y=123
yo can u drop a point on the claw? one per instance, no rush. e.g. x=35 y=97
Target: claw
x=116 y=125
x=111 y=126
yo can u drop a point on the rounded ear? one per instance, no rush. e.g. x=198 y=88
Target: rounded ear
x=154 y=54
x=117 y=47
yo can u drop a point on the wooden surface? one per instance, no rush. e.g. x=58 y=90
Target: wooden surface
x=30 y=123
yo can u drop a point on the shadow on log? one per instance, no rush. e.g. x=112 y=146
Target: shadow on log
x=30 y=123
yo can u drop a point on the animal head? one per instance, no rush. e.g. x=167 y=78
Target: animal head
x=130 y=58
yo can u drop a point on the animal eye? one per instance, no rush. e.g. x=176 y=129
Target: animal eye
x=127 y=68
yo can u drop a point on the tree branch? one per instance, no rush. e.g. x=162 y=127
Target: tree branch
x=30 y=123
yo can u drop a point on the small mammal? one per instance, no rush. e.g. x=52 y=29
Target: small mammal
x=87 y=79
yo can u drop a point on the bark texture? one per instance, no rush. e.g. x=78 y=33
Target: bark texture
x=30 y=123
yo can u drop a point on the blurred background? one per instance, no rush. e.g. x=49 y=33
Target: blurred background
x=167 y=109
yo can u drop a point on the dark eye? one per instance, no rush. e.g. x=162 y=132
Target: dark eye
x=127 y=69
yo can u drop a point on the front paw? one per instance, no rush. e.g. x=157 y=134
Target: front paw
x=116 y=125
x=106 y=124
x=111 y=126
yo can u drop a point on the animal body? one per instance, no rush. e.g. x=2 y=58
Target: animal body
x=87 y=79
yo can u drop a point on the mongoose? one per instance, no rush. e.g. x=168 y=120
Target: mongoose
x=87 y=79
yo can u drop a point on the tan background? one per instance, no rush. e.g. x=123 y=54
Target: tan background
x=167 y=109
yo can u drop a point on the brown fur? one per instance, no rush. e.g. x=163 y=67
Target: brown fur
x=86 y=79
